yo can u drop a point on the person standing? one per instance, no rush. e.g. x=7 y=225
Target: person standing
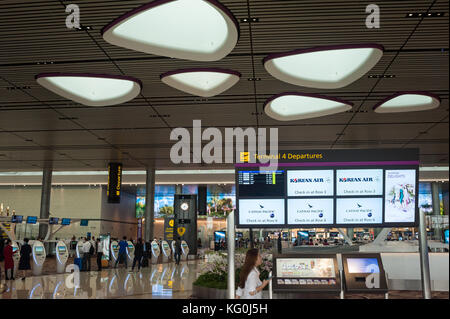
x=279 y=245
x=122 y=252
x=177 y=251
x=9 y=261
x=25 y=256
x=86 y=255
x=99 y=254
x=250 y=286
x=138 y=253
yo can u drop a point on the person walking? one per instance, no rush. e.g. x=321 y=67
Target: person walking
x=25 y=257
x=86 y=255
x=9 y=261
x=122 y=252
x=138 y=254
x=177 y=251
x=250 y=286
x=99 y=254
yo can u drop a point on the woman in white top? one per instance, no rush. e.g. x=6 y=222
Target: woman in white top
x=250 y=286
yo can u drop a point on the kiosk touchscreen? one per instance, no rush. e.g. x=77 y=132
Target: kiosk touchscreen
x=114 y=250
x=38 y=257
x=185 y=250
x=16 y=256
x=62 y=254
x=130 y=252
x=364 y=273
x=166 y=250
x=155 y=252
x=306 y=273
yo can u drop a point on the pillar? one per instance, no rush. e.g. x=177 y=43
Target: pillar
x=435 y=191
x=149 y=204
x=45 y=200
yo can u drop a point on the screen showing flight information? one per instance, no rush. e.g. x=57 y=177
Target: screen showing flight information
x=261 y=184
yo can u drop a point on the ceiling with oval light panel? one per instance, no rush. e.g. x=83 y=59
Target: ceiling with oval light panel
x=91 y=89
x=408 y=102
x=199 y=30
x=328 y=67
x=201 y=81
x=293 y=106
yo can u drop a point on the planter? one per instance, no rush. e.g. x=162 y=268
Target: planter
x=208 y=293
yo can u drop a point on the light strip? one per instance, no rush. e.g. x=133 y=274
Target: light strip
x=105 y=173
x=434 y=169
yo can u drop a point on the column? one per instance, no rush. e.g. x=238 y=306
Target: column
x=178 y=189
x=45 y=200
x=435 y=191
x=149 y=204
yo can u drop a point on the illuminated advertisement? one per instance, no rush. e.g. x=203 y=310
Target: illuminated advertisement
x=310 y=183
x=400 y=190
x=261 y=211
x=359 y=182
x=359 y=210
x=305 y=268
x=310 y=211
x=362 y=265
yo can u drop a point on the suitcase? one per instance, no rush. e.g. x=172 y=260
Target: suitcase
x=79 y=263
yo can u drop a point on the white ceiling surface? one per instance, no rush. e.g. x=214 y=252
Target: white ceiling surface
x=40 y=129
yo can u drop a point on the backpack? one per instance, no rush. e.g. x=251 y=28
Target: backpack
x=91 y=250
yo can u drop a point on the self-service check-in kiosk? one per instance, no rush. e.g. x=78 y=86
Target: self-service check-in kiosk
x=62 y=254
x=165 y=250
x=184 y=250
x=172 y=245
x=155 y=252
x=114 y=251
x=38 y=257
x=130 y=252
x=364 y=273
x=16 y=257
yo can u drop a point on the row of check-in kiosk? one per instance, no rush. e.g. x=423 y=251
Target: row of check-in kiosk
x=62 y=253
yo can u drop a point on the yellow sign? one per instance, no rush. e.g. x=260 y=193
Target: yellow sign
x=181 y=231
x=170 y=283
x=171 y=223
x=244 y=157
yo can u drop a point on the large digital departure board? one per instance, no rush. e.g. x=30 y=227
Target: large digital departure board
x=339 y=188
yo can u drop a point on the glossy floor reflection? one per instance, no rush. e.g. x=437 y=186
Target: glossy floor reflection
x=157 y=281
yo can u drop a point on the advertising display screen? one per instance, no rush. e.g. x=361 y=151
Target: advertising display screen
x=261 y=184
x=400 y=190
x=363 y=265
x=31 y=219
x=305 y=268
x=359 y=182
x=310 y=211
x=261 y=211
x=304 y=235
x=446 y=236
x=65 y=221
x=310 y=183
x=219 y=236
x=359 y=210
x=16 y=219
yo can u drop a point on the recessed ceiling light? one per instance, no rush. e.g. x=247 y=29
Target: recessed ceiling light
x=91 y=89
x=298 y=106
x=408 y=102
x=328 y=67
x=201 y=81
x=199 y=30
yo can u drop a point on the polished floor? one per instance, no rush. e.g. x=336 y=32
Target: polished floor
x=157 y=281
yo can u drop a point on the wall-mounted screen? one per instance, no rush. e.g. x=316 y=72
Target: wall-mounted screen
x=400 y=199
x=261 y=211
x=310 y=182
x=65 y=221
x=53 y=220
x=310 y=211
x=261 y=184
x=363 y=265
x=359 y=210
x=84 y=222
x=359 y=182
x=16 y=219
x=31 y=219
x=305 y=268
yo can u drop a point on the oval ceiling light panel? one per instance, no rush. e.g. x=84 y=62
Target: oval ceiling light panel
x=299 y=106
x=201 y=81
x=199 y=30
x=91 y=89
x=329 y=67
x=408 y=102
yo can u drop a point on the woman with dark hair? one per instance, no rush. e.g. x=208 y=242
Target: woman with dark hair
x=250 y=286
x=9 y=261
x=25 y=256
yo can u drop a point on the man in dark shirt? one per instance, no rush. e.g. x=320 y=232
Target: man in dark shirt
x=177 y=251
x=138 y=253
x=122 y=252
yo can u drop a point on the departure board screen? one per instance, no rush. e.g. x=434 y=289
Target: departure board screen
x=260 y=183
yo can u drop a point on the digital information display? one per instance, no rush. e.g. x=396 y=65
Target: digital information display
x=261 y=184
x=84 y=222
x=310 y=183
x=16 y=219
x=310 y=211
x=53 y=220
x=359 y=210
x=400 y=196
x=363 y=266
x=261 y=211
x=65 y=221
x=31 y=219
x=305 y=268
x=359 y=182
